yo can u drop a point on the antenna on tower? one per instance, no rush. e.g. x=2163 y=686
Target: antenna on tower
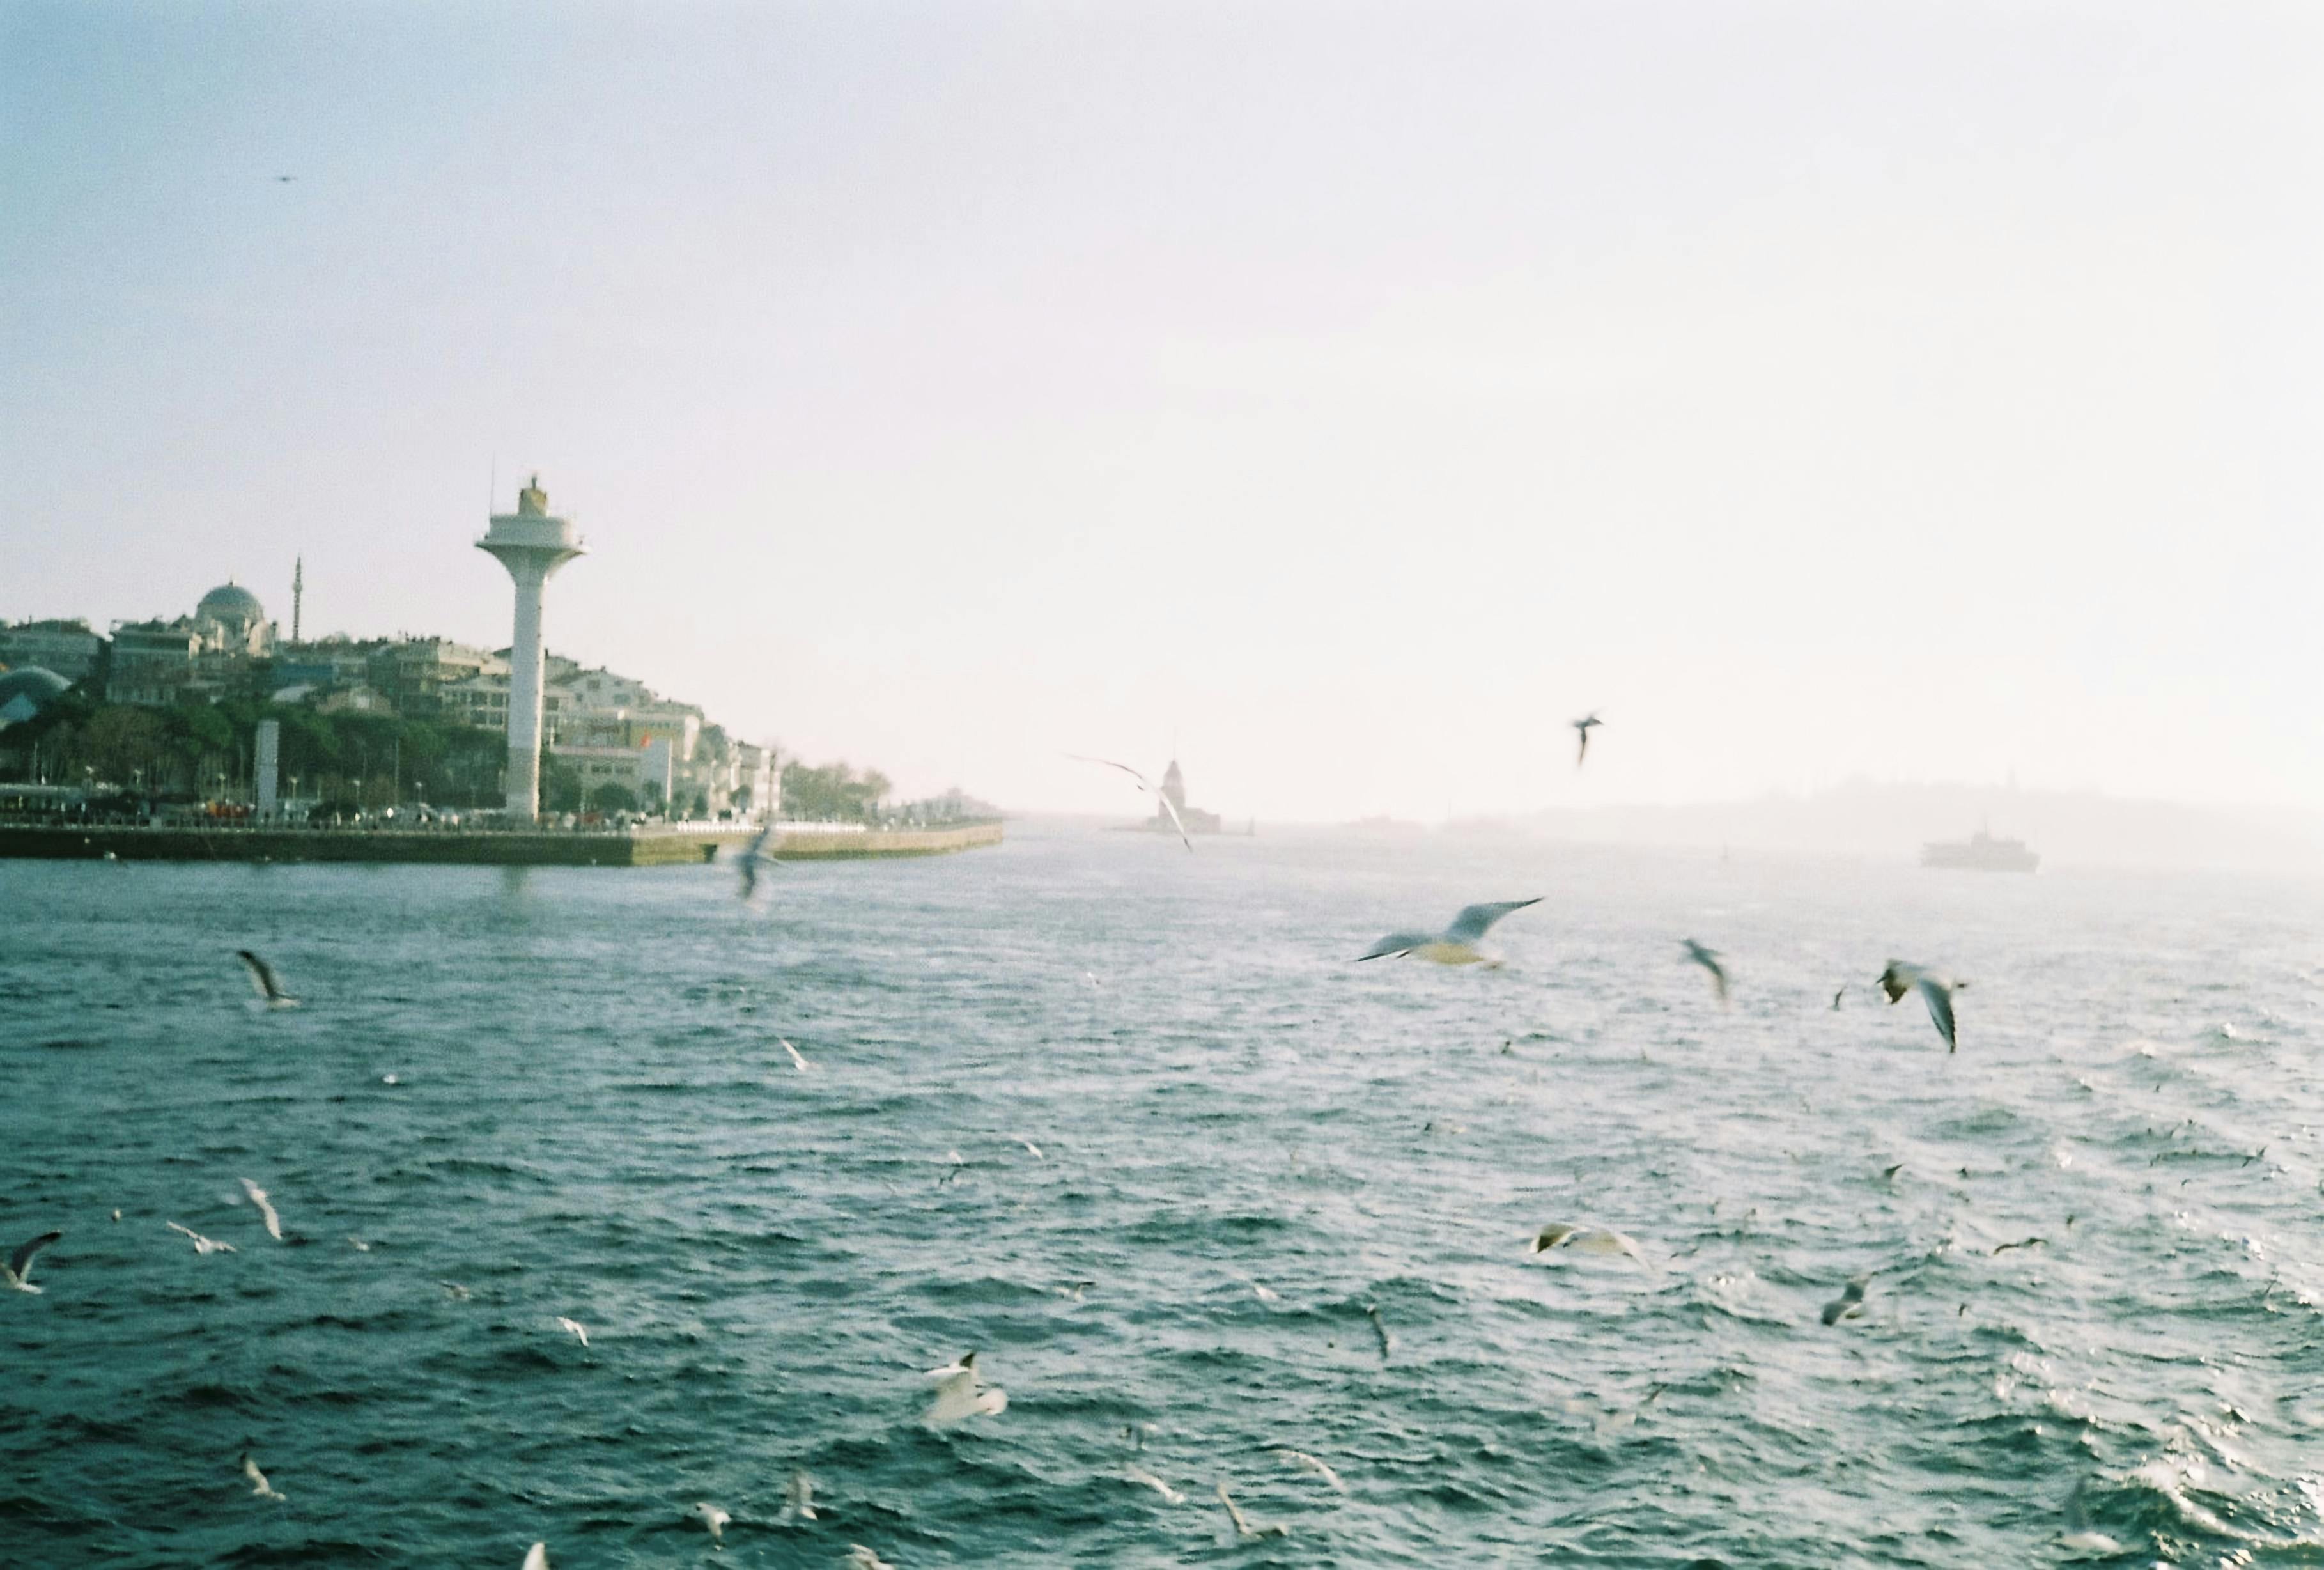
x=298 y=593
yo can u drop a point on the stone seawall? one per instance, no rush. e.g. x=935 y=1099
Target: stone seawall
x=648 y=845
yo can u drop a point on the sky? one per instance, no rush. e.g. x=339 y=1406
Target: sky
x=1347 y=396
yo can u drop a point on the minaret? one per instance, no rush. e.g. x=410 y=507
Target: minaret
x=532 y=545
x=298 y=593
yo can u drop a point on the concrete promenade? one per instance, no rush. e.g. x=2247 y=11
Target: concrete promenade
x=644 y=845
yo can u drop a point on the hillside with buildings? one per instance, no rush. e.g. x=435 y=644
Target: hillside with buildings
x=168 y=706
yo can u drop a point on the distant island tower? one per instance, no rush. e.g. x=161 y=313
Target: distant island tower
x=532 y=545
x=1174 y=787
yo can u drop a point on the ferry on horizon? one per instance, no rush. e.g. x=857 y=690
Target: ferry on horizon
x=1980 y=853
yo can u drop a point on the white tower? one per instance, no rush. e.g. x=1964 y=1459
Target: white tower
x=532 y=545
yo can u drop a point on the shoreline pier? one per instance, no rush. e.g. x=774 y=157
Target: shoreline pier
x=638 y=845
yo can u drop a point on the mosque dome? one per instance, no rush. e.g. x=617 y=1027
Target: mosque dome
x=231 y=603
x=26 y=690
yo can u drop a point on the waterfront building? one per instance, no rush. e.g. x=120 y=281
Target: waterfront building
x=195 y=659
x=72 y=649
x=415 y=672
x=153 y=662
x=532 y=545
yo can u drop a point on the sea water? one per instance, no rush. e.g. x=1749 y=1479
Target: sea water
x=1299 y=1190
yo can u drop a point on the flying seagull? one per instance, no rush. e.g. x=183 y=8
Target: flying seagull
x=1850 y=1303
x=1139 y=1475
x=797 y=1062
x=715 y=1519
x=1308 y=1464
x=1838 y=996
x=580 y=1330
x=1584 y=1239
x=756 y=855
x=860 y=1558
x=1379 y=1326
x=203 y=1245
x=263 y=977
x=1146 y=785
x=17 y=1273
x=1582 y=726
x=1243 y=1528
x=1031 y=1148
x=259 y=1487
x=961 y=1393
x=1457 y=944
x=1936 y=991
x=1708 y=958
x=2024 y=1243
x=265 y=1209
x=799 y=1497
x=537 y=1557
x=285 y=179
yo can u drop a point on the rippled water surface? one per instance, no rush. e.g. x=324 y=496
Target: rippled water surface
x=565 y=1090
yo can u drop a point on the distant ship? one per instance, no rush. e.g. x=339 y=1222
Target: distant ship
x=1981 y=853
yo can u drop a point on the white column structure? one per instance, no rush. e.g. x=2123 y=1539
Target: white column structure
x=532 y=545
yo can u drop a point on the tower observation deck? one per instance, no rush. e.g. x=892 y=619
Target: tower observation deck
x=532 y=545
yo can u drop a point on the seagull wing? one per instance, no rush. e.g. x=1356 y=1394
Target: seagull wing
x=537 y=1557
x=1143 y=784
x=19 y=1263
x=1939 y=998
x=262 y=974
x=955 y=1398
x=265 y=1209
x=1397 y=943
x=1475 y=921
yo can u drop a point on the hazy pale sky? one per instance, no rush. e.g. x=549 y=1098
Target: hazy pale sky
x=1355 y=393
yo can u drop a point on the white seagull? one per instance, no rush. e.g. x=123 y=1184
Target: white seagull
x=799 y=1497
x=203 y=1245
x=1585 y=1240
x=1243 y=1528
x=259 y=1486
x=262 y=978
x=962 y=1392
x=580 y=1330
x=1457 y=944
x=537 y=1557
x=860 y=1558
x=1034 y=1149
x=1139 y=1475
x=265 y=1209
x=797 y=1062
x=1936 y=991
x=1850 y=1303
x=16 y=1275
x=715 y=1519
x=1306 y=1463
x=1582 y=725
x=1148 y=786
x=1708 y=958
